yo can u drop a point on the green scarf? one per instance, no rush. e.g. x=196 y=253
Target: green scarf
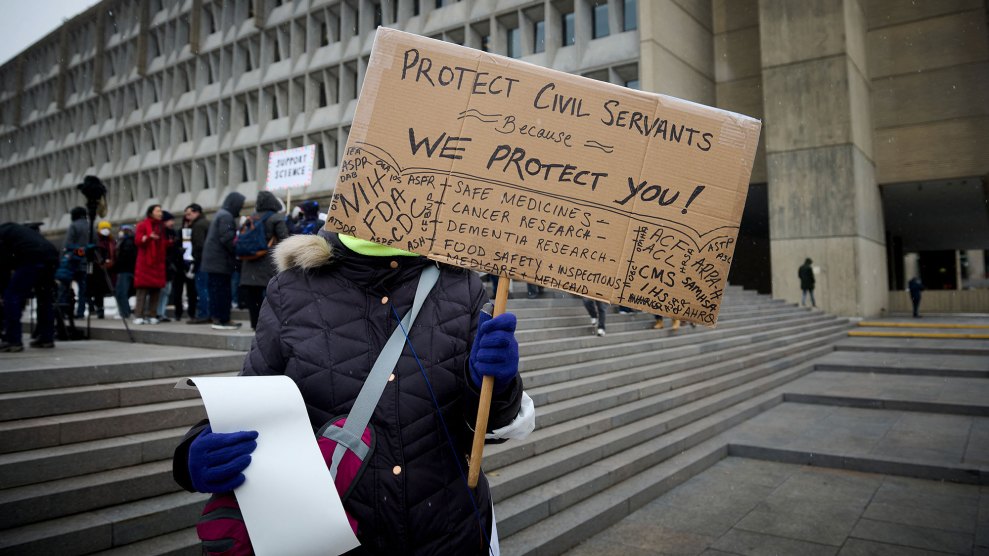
x=372 y=249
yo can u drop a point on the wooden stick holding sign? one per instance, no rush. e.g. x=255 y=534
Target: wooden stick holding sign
x=487 y=389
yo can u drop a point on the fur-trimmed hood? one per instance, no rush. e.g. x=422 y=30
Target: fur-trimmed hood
x=302 y=251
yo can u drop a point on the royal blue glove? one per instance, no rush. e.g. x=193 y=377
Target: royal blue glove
x=495 y=352
x=217 y=460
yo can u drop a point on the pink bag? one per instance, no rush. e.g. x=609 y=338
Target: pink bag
x=221 y=527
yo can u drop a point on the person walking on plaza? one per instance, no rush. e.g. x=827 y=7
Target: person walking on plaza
x=149 y=273
x=915 y=286
x=30 y=260
x=200 y=228
x=411 y=496
x=124 y=268
x=76 y=240
x=256 y=273
x=100 y=283
x=219 y=260
x=806 y=275
x=597 y=310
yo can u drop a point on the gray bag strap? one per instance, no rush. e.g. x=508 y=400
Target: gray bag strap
x=350 y=435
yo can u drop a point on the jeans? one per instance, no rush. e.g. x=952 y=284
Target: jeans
x=219 y=297
x=235 y=288
x=125 y=281
x=803 y=298
x=41 y=278
x=80 y=278
x=202 y=291
x=166 y=293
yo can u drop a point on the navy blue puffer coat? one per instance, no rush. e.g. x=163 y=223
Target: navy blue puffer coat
x=323 y=323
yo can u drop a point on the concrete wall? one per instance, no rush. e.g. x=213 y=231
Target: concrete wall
x=929 y=67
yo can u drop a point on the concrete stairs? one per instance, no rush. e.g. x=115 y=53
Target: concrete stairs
x=85 y=449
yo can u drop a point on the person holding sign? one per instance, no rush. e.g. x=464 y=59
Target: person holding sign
x=329 y=312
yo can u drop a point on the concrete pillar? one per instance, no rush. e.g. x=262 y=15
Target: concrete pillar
x=677 y=49
x=823 y=198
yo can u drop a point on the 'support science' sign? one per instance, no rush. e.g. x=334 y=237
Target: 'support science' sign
x=505 y=167
x=290 y=168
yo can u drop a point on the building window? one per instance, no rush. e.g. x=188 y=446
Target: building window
x=569 y=29
x=379 y=16
x=599 y=19
x=539 y=37
x=630 y=15
x=514 y=43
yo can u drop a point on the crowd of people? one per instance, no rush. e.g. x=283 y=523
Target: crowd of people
x=189 y=262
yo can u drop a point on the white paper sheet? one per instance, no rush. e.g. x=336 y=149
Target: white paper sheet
x=289 y=502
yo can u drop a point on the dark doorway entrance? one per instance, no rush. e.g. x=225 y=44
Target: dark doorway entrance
x=750 y=267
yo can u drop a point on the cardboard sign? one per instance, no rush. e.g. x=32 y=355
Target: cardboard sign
x=290 y=168
x=505 y=167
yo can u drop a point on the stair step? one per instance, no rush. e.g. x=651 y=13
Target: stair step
x=58 y=430
x=101 y=362
x=180 y=543
x=105 y=528
x=63 y=497
x=76 y=399
x=59 y=462
x=702 y=352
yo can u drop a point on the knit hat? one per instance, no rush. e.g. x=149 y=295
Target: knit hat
x=104 y=225
x=166 y=216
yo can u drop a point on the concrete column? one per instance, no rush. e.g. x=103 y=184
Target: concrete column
x=823 y=198
x=677 y=49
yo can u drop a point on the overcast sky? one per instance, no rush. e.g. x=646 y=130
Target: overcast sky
x=23 y=22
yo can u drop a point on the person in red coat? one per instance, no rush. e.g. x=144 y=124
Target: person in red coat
x=149 y=272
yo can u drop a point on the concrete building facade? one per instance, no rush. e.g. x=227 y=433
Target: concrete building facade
x=873 y=160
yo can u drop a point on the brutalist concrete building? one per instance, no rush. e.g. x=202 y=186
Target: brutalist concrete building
x=873 y=163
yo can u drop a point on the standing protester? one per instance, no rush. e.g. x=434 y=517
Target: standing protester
x=329 y=312
x=185 y=279
x=30 y=260
x=76 y=240
x=255 y=274
x=915 y=286
x=149 y=274
x=806 y=275
x=100 y=282
x=173 y=268
x=124 y=267
x=309 y=222
x=219 y=261
x=200 y=228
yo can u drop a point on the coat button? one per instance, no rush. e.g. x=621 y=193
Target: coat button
x=397 y=470
x=391 y=377
x=393 y=264
x=384 y=300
